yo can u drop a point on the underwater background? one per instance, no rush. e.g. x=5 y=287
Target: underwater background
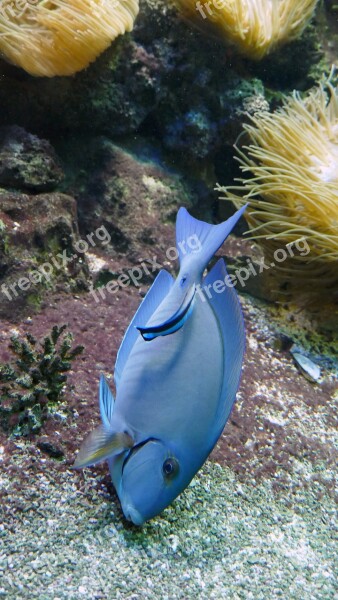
x=101 y=141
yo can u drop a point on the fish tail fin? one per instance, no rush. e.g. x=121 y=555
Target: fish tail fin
x=194 y=237
x=196 y=242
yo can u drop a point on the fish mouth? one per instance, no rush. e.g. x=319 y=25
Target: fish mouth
x=133 y=515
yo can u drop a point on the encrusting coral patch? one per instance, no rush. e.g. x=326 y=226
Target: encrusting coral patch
x=61 y=37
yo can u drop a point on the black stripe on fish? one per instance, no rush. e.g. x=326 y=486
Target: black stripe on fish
x=149 y=333
x=135 y=448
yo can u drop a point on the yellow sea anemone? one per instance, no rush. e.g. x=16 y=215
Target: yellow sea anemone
x=61 y=37
x=290 y=180
x=255 y=27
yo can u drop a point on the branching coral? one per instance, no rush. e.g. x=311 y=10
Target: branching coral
x=291 y=181
x=36 y=381
x=61 y=37
x=255 y=27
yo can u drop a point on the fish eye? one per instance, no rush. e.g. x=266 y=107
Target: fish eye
x=183 y=280
x=170 y=467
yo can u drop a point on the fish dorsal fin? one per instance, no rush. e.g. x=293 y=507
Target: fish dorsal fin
x=158 y=291
x=101 y=444
x=106 y=401
x=199 y=238
x=229 y=315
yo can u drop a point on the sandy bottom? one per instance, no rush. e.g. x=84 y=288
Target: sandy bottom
x=220 y=539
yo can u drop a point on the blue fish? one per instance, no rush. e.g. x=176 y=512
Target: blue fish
x=176 y=376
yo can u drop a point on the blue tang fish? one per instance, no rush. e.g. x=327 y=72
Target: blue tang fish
x=176 y=376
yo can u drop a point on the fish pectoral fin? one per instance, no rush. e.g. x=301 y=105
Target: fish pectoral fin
x=174 y=322
x=100 y=445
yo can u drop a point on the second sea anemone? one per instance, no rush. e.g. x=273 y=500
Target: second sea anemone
x=255 y=27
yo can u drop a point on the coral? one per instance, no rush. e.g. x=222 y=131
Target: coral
x=133 y=197
x=290 y=179
x=36 y=380
x=255 y=27
x=59 y=37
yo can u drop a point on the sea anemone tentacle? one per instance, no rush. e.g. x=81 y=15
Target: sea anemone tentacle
x=61 y=37
x=290 y=178
x=254 y=27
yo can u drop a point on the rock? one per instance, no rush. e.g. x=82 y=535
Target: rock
x=136 y=200
x=180 y=86
x=53 y=450
x=306 y=366
x=115 y=94
x=27 y=162
x=38 y=237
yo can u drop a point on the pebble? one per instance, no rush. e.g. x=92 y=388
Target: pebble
x=306 y=366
